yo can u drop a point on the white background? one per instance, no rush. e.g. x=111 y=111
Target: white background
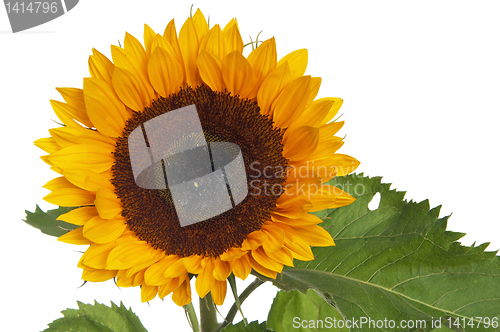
x=420 y=83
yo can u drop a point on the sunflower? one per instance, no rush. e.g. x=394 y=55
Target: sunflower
x=264 y=106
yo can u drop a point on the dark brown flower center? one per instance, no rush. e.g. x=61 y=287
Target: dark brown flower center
x=151 y=214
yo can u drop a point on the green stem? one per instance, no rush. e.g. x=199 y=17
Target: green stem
x=234 y=309
x=208 y=314
x=232 y=283
x=193 y=320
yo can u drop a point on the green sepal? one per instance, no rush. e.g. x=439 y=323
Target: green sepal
x=46 y=221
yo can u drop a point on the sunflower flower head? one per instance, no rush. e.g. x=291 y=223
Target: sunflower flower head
x=265 y=107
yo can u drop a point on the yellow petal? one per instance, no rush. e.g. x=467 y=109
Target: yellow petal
x=222 y=269
x=263 y=61
x=46 y=159
x=127 y=254
x=138 y=279
x=65 y=113
x=232 y=37
x=232 y=254
x=101 y=230
x=334 y=165
x=263 y=259
x=271 y=88
x=205 y=280
x=275 y=237
x=210 y=68
x=70 y=197
x=132 y=281
x=344 y=164
x=134 y=46
x=326 y=147
x=170 y=35
x=304 y=220
x=136 y=64
x=96 y=255
x=130 y=90
x=149 y=35
x=188 y=43
x=292 y=207
x=80 y=263
x=58 y=183
x=87 y=156
x=291 y=102
x=97 y=275
x=74 y=237
x=74 y=98
x=160 y=41
x=301 y=142
x=182 y=295
x=313 y=89
x=100 y=66
x=104 y=108
x=148 y=293
x=321 y=169
x=107 y=204
x=193 y=264
x=67 y=136
x=283 y=256
x=330 y=129
x=165 y=72
x=299 y=248
x=79 y=216
x=242 y=267
x=316 y=114
x=175 y=270
x=213 y=42
x=200 y=24
x=47 y=144
x=315 y=235
x=302 y=189
x=154 y=274
x=329 y=197
x=237 y=74
x=254 y=240
x=297 y=174
x=149 y=257
x=56 y=169
x=297 y=60
x=219 y=292
x=168 y=287
x=261 y=269
x=88 y=180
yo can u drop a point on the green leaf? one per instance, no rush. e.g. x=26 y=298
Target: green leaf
x=309 y=312
x=252 y=327
x=398 y=263
x=46 y=221
x=97 y=318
